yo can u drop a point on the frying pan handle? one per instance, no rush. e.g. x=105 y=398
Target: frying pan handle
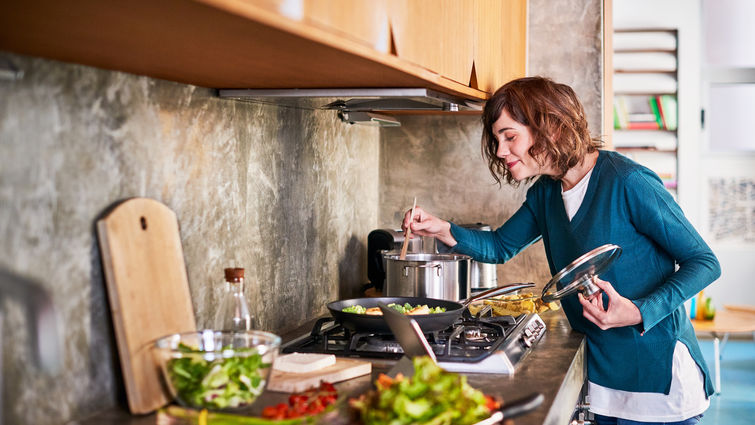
x=505 y=289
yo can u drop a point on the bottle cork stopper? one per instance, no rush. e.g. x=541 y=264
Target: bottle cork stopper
x=234 y=274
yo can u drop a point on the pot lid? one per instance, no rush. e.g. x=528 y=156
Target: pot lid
x=577 y=276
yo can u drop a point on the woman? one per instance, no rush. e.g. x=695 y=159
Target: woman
x=643 y=360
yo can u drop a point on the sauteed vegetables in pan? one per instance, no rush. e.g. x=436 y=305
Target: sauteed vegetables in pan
x=405 y=308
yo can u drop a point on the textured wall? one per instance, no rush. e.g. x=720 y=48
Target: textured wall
x=565 y=45
x=288 y=193
x=438 y=158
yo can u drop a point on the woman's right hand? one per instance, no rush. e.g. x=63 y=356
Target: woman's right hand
x=425 y=224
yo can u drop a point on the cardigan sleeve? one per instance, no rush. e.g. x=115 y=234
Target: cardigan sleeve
x=654 y=213
x=516 y=234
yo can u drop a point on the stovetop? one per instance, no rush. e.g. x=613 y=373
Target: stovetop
x=472 y=344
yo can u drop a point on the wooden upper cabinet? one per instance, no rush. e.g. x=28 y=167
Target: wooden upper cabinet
x=500 y=53
x=479 y=43
x=465 y=48
x=435 y=34
x=363 y=21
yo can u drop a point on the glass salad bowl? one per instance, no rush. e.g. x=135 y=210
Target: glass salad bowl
x=216 y=370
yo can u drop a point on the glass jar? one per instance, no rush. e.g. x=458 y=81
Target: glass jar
x=233 y=312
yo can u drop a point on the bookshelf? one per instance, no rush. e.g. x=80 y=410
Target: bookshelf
x=645 y=106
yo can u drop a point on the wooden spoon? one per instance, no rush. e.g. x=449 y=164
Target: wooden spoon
x=408 y=233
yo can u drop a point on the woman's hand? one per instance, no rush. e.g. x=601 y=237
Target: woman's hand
x=620 y=311
x=424 y=224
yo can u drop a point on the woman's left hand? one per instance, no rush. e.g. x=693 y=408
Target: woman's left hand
x=620 y=311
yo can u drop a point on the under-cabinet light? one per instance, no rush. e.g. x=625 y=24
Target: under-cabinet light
x=368 y=118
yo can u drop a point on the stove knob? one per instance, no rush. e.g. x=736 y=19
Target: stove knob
x=528 y=332
x=526 y=341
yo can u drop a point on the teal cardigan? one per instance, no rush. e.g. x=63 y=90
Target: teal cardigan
x=627 y=205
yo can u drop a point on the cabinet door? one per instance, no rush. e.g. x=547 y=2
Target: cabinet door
x=435 y=34
x=500 y=53
x=478 y=43
x=365 y=21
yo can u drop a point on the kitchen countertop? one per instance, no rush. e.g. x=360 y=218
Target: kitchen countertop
x=556 y=368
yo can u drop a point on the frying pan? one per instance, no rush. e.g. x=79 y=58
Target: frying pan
x=427 y=322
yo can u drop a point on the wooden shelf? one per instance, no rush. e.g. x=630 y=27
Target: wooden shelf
x=637 y=93
x=647 y=149
x=210 y=43
x=647 y=29
x=630 y=130
x=645 y=71
x=645 y=51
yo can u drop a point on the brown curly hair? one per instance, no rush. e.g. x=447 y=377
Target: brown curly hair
x=555 y=118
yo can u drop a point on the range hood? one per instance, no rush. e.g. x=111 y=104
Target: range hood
x=360 y=105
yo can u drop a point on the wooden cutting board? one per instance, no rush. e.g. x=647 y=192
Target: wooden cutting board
x=148 y=290
x=289 y=382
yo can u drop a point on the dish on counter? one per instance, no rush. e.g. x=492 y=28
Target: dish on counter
x=514 y=305
x=431 y=396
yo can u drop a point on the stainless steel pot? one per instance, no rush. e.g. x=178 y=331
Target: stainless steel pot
x=484 y=275
x=380 y=241
x=441 y=276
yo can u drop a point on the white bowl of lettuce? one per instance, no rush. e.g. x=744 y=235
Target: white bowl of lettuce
x=216 y=370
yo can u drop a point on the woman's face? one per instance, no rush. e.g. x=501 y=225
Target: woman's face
x=514 y=142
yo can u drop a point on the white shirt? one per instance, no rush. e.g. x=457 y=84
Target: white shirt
x=685 y=399
x=574 y=196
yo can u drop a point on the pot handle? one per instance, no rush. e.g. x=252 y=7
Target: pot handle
x=505 y=289
x=423 y=266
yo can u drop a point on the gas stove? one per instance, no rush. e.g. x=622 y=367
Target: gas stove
x=471 y=345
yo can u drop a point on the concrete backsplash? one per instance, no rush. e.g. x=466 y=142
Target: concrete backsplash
x=290 y=194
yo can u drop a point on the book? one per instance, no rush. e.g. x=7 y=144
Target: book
x=656 y=111
x=643 y=125
x=619 y=105
x=668 y=106
x=661 y=112
x=642 y=117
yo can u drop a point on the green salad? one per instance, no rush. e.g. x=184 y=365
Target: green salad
x=403 y=309
x=217 y=382
x=431 y=397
